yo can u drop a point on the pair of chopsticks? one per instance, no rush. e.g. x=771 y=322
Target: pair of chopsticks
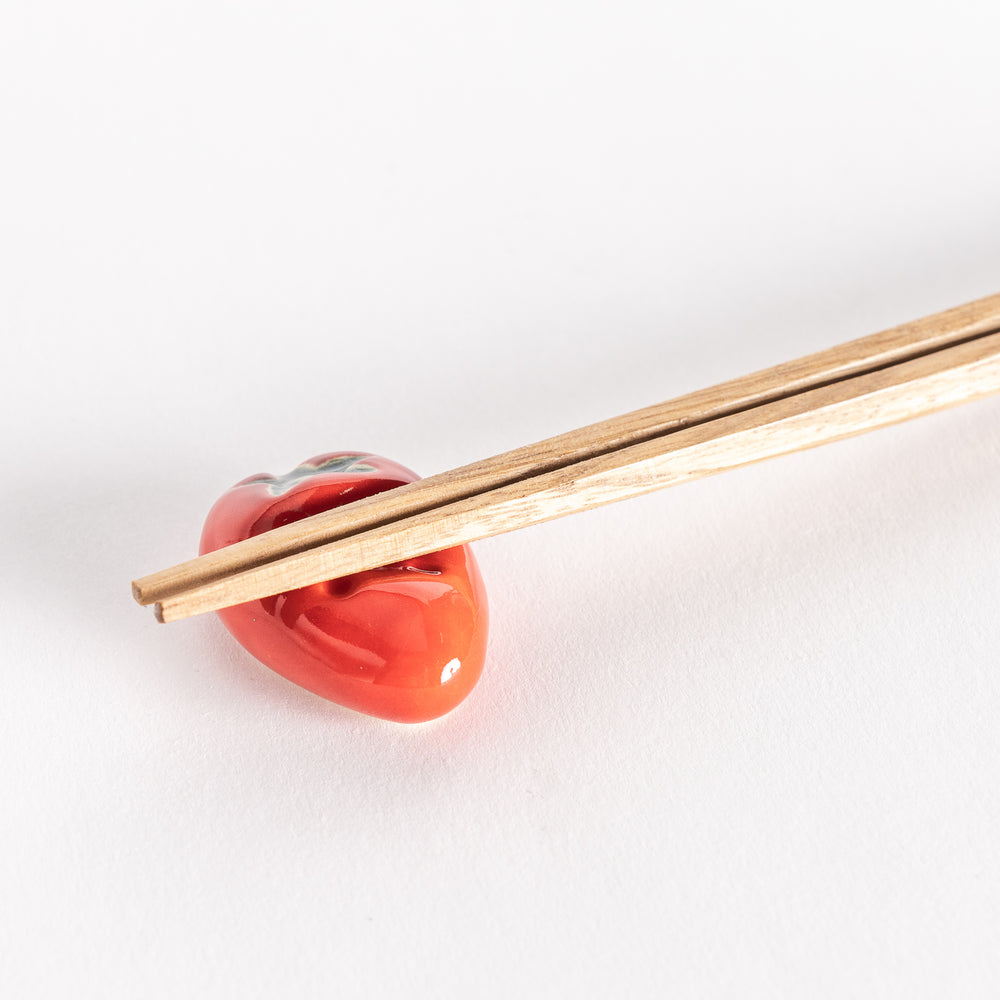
x=921 y=367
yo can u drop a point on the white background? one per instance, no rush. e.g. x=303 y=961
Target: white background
x=737 y=739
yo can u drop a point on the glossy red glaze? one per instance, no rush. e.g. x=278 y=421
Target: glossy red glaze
x=405 y=642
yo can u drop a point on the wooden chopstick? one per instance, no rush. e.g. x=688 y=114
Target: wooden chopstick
x=917 y=368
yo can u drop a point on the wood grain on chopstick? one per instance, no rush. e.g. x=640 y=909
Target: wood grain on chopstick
x=891 y=346
x=803 y=419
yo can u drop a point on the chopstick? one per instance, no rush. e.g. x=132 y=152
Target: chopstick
x=917 y=368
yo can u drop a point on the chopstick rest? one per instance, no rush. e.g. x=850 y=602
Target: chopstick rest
x=404 y=642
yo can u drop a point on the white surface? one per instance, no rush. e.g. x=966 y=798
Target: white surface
x=737 y=739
